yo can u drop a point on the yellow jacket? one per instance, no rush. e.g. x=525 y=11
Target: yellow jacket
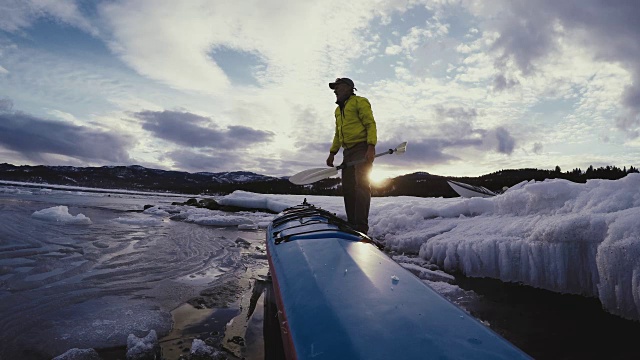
x=354 y=124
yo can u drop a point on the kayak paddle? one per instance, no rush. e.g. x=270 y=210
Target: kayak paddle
x=310 y=176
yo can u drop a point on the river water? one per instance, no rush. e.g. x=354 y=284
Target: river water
x=66 y=285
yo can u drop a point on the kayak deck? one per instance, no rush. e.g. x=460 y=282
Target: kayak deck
x=341 y=298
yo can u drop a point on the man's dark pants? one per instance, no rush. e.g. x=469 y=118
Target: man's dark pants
x=356 y=189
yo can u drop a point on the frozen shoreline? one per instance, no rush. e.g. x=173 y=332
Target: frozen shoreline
x=556 y=235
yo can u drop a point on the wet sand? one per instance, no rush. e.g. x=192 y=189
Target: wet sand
x=229 y=315
x=236 y=329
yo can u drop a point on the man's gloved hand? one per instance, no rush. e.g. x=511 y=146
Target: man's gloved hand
x=330 y=159
x=371 y=153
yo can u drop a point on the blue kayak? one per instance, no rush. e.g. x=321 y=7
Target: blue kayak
x=339 y=297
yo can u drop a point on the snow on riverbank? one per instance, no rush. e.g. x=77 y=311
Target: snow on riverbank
x=556 y=235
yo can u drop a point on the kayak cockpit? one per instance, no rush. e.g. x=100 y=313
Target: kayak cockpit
x=306 y=221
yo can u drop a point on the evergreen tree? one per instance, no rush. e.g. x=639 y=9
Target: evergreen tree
x=589 y=170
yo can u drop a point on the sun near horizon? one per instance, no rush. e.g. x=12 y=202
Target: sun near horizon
x=379 y=176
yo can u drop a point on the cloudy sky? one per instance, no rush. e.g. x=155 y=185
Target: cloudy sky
x=474 y=86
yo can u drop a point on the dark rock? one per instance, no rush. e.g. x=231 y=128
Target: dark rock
x=237 y=340
x=209 y=204
x=240 y=242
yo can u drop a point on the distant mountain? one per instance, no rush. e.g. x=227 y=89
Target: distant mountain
x=236 y=177
x=132 y=177
x=423 y=184
x=139 y=178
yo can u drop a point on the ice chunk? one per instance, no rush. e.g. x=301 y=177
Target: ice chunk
x=157 y=211
x=142 y=348
x=427 y=274
x=254 y=201
x=202 y=350
x=79 y=354
x=61 y=214
x=264 y=224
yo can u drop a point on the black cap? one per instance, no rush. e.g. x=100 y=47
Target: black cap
x=342 y=81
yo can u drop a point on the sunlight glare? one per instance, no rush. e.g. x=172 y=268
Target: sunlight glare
x=377 y=178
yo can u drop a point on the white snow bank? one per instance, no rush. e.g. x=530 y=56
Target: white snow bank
x=556 y=235
x=61 y=214
x=203 y=216
x=265 y=201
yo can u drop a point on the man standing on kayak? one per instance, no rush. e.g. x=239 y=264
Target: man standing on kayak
x=356 y=133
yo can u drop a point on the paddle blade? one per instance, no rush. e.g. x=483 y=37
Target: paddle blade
x=312 y=175
x=303 y=174
x=401 y=149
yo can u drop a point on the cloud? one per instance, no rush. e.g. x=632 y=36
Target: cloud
x=527 y=34
x=196 y=131
x=422 y=152
x=416 y=37
x=463 y=79
x=532 y=31
x=537 y=148
x=248 y=136
x=506 y=142
x=6 y=104
x=393 y=50
x=457 y=113
x=500 y=82
x=308 y=147
x=629 y=120
x=196 y=161
x=457 y=130
x=35 y=138
x=175 y=41
x=193 y=161
x=631 y=95
x=19 y=14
